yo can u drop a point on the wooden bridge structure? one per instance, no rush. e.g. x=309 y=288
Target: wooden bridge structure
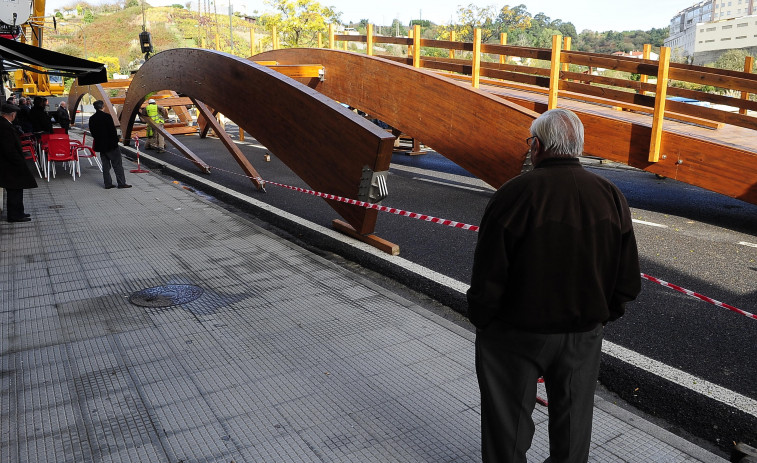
x=474 y=106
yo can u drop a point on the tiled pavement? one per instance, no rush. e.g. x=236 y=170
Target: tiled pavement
x=285 y=357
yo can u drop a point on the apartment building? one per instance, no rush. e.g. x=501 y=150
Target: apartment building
x=705 y=30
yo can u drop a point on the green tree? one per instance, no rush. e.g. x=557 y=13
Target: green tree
x=89 y=17
x=511 y=18
x=731 y=59
x=299 y=21
x=469 y=18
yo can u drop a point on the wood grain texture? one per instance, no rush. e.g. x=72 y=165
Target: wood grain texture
x=483 y=134
x=325 y=144
x=77 y=92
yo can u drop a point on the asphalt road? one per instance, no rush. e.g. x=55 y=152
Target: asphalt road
x=700 y=240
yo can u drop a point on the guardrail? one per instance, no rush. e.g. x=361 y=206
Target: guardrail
x=570 y=75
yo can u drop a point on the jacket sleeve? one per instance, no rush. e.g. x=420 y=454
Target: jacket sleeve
x=628 y=282
x=490 y=270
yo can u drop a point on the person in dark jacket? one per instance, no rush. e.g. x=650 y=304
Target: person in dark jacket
x=105 y=142
x=22 y=117
x=15 y=176
x=62 y=116
x=556 y=259
x=40 y=120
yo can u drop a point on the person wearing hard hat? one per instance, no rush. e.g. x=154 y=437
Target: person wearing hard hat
x=158 y=114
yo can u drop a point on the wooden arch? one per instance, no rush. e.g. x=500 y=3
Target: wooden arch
x=324 y=143
x=77 y=92
x=479 y=132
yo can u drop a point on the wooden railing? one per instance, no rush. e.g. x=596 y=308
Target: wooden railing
x=565 y=77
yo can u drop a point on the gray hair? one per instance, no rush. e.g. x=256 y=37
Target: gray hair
x=560 y=132
x=98 y=105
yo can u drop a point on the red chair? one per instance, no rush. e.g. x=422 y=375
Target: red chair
x=28 y=146
x=59 y=130
x=89 y=153
x=59 y=149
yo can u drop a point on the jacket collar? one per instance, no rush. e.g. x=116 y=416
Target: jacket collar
x=557 y=162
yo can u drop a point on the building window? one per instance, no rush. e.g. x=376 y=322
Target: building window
x=742 y=25
x=710 y=29
x=709 y=41
x=741 y=37
x=725 y=38
x=730 y=26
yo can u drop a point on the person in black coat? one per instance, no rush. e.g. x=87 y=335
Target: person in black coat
x=105 y=142
x=15 y=176
x=62 y=116
x=41 y=121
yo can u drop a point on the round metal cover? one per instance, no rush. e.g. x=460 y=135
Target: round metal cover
x=166 y=295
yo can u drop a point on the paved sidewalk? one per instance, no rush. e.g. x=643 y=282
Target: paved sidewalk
x=284 y=357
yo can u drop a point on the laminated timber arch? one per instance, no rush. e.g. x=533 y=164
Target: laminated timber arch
x=456 y=124
x=78 y=92
x=325 y=144
x=481 y=133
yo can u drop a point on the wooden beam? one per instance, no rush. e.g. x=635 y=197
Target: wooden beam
x=298 y=70
x=416 y=46
x=566 y=46
x=378 y=243
x=369 y=40
x=643 y=78
x=236 y=153
x=748 y=65
x=452 y=39
x=659 y=106
x=503 y=41
x=179 y=146
x=554 y=74
x=332 y=44
x=476 y=70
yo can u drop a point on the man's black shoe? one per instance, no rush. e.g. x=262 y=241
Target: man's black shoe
x=108 y=187
x=21 y=219
x=124 y=186
x=27 y=215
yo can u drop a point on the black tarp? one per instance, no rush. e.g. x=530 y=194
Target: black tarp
x=21 y=55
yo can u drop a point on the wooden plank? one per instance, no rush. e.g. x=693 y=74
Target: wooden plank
x=736 y=80
x=476 y=64
x=120 y=83
x=185 y=130
x=179 y=146
x=270 y=107
x=393 y=40
x=544 y=54
x=748 y=65
x=503 y=41
x=659 y=106
x=616 y=63
x=416 y=109
x=447 y=44
x=378 y=243
x=416 y=52
x=298 y=70
x=236 y=153
x=554 y=75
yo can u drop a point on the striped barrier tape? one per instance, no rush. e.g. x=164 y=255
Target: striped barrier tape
x=698 y=296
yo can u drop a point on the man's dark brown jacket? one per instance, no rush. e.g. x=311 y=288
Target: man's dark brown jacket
x=556 y=252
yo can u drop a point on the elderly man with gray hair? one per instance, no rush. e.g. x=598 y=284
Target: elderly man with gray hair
x=556 y=260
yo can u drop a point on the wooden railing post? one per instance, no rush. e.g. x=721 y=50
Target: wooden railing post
x=369 y=39
x=659 y=104
x=647 y=54
x=320 y=40
x=417 y=46
x=554 y=73
x=452 y=39
x=274 y=38
x=476 y=71
x=748 y=65
x=503 y=41
x=332 y=45
x=566 y=46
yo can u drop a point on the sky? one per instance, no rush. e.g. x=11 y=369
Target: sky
x=597 y=15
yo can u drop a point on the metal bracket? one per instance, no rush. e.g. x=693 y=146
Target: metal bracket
x=372 y=187
x=322 y=74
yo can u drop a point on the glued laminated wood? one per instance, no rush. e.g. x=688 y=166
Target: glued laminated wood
x=270 y=107
x=481 y=133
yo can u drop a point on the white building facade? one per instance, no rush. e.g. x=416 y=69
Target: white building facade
x=705 y=30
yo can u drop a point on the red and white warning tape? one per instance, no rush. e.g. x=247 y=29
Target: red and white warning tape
x=697 y=295
x=391 y=210
x=464 y=226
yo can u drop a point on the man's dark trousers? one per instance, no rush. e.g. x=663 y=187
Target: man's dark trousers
x=113 y=158
x=509 y=363
x=15 y=203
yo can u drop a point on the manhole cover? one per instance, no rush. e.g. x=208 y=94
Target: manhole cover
x=166 y=296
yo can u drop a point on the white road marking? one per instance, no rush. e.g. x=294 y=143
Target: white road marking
x=471 y=181
x=698 y=385
x=674 y=375
x=651 y=224
x=447 y=184
x=744 y=243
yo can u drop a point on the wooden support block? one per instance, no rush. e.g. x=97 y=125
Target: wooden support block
x=298 y=70
x=659 y=104
x=373 y=240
